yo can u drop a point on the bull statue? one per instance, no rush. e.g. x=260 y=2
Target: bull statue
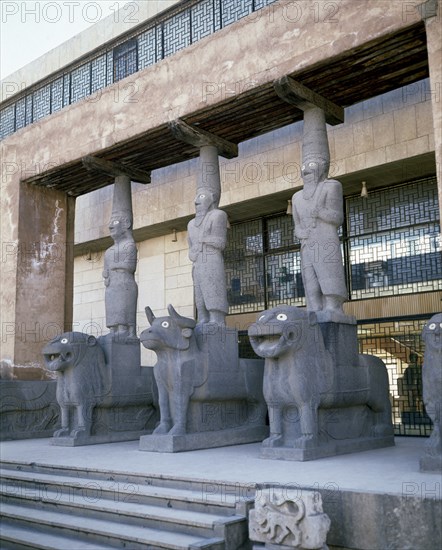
x=301 y=374
x=198 y=368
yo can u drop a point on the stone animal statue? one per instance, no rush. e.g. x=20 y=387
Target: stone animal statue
x=432 y=383
x=83 y=379
x=183 y=372
x=300 y=372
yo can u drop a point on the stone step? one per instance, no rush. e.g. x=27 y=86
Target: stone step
x=102 y=532
x=209 y=498
x=131 y=513
x=15 y=537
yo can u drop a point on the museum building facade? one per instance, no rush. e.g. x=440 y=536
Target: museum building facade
x=212 y=63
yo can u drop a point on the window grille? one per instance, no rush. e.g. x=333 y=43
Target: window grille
x=399 y=344
x=125 y=59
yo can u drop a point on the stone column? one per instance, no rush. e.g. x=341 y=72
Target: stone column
x=38 y=277
x=431 y=13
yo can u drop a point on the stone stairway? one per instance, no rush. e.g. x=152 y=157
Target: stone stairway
x=58 y=508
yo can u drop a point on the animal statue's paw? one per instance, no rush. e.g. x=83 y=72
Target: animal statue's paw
x=306 y=441
x=78 y=431
x=275 y=440
x=177 y=430
x=162 y=428
x=61 y=432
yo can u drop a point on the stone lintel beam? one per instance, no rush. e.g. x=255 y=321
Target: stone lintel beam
x=115 y=169
x=302 y=97
x=200 y=138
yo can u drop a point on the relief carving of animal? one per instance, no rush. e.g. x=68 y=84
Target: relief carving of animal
x=299 y=371
x=183 y=372
x=82 y=379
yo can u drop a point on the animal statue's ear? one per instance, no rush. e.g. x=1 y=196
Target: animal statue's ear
x=91 y=341
x=186 y=332
x=149 y=314
x=312 y=319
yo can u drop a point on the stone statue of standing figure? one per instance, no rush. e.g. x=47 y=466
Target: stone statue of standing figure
x=207 y=236
x=120 y=262
x=317 y=215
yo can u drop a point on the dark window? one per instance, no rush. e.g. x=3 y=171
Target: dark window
x=125 y=59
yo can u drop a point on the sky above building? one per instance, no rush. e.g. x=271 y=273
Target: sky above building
x=29 y=29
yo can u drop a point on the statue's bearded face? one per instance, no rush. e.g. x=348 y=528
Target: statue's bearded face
x=315 y=169
x=203 y=201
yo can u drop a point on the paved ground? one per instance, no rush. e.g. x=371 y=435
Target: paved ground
x=392 y=470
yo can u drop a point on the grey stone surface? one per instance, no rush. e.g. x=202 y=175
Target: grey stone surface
x=207 y=236
x=103 y=393
x=323 y=398
x=120 y=262
x=432 y=392
x=205 y=390
x=317 y=215
x=28 y=408
x=286 y=518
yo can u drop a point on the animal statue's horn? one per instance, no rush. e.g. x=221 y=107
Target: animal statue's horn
x=149 y=314
x=183 y=322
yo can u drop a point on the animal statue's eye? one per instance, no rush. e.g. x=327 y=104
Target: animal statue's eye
x=440 y=324
x=282 y=317
x=261 y=318
x=64 y=340
x=432 y=326
x=311 y=164
x=116 y=222
x=165 y=324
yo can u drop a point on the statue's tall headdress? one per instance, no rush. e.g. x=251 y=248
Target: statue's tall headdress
x=315 y=139
x=209 y=175
x=122 y=199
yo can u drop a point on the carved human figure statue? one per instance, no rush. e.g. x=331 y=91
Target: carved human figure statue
x=207 y=236
x=120 y=262
x=317 y=215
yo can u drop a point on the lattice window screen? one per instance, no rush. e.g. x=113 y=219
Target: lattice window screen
x=80 y=83
x=57 y=95
x=399 y=344
x=147 y=48
x=98 y=68
x=176 y=33
x=202 y=19
x=42 y=103
x=232 y=10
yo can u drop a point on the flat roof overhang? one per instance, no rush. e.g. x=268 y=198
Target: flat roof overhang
x=370 y=69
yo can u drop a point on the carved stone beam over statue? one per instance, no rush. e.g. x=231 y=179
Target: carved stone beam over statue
x=301 y=97
x=115 y=169
x=200 y=138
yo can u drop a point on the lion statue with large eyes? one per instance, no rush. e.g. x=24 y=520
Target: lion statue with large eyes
x=83 y=380
x=432 y=391
x=301 y=377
